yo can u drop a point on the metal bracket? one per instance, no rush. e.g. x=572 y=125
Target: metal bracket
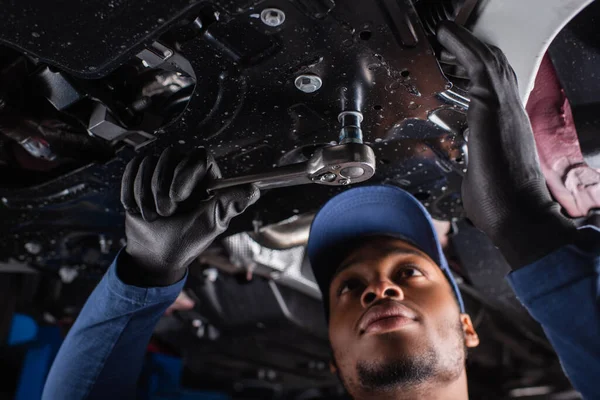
x=155 y=55
x=102 y=124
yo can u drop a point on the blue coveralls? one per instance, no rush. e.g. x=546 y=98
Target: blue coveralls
x=103 y=353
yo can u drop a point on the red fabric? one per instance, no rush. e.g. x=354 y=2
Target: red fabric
x=572 y=182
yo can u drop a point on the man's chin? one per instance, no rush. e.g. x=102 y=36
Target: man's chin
x=401 y=371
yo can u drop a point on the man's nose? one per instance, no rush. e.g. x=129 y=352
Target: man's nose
x=381 y=290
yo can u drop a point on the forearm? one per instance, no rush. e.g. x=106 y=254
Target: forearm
x=102 y=355
x=562 y=292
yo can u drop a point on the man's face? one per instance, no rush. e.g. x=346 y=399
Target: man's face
x=394 y=321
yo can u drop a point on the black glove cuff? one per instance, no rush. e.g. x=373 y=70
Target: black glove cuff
x=133 y=273
x=523 y=244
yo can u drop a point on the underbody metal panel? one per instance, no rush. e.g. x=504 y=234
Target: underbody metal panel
x=248 y=111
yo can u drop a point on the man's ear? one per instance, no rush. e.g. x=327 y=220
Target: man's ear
x=471 y=337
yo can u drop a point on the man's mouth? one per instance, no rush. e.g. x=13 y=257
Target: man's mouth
x=386 y=317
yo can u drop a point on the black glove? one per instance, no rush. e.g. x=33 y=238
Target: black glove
x=170 y=217
x=504 y=191
x=453 y=70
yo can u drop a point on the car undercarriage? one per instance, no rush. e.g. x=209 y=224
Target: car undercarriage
x=262 y=84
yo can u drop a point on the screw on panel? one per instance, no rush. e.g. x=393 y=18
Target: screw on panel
x=33 y=247
x=104 y=244
x=308 y=83
x=272 y=17
x=200 y=328
x=197 y=323
x=211 y=274
x=67 y=274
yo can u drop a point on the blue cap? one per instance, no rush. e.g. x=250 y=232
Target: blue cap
x=368 y=211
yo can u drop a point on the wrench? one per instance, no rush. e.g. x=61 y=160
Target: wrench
x=351 y=161
x=333 y=165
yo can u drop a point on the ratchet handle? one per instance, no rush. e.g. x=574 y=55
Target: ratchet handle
x=338 y=165
x=288 y=175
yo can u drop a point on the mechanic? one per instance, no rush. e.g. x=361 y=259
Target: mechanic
x=397 y=324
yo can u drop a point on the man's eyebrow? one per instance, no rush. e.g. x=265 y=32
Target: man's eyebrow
x=387 y=250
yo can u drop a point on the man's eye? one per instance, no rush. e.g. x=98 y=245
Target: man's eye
x=409 y=272
x=348 y=286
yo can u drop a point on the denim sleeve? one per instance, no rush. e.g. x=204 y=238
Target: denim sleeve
x=562 y=292
x=103 y=353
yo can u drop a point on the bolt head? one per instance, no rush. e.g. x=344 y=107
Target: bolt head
x=200 y=332
x=33 y=247
x=308 y=83
x=197 y=323
x=67 y=274
x=272 y=17
x=211 y=274
x=344 y=182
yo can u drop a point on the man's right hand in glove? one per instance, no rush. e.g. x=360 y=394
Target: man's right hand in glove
x=504 y=191
x=170 y=218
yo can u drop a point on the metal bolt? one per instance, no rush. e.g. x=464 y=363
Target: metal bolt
x=33 y=247
x=104 y=244
x=328 y=177
x=213 y=333
x=336 y=167
x=308 y=83
x=67 y=274
x=38 y=148
x=272 y=17
x=344 y=182
x=211 y=274
x=200 y=332
x=200 y=329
